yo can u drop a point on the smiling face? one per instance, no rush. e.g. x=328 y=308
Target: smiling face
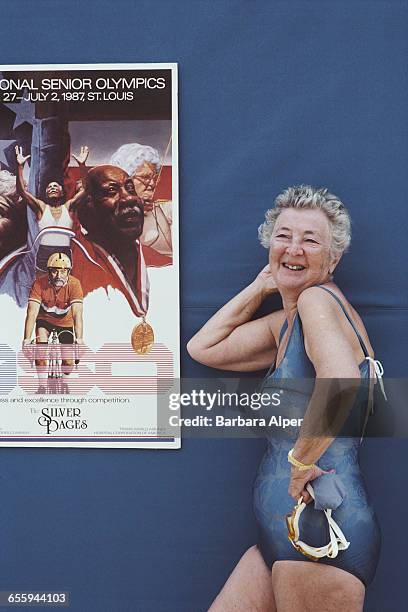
x=299 y=255
x=117 y=207
x=53 y=192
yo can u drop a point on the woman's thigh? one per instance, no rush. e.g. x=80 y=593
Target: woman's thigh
x=306 y=586
x=249 y=587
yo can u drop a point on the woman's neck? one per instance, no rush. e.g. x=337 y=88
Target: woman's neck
x=289 y=306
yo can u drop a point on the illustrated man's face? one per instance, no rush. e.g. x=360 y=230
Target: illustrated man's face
x=119 y=209
x=145 y=180
x=58 y=276
x=54 y=191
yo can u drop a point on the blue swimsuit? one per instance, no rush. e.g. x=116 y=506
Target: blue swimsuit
x=272 y=502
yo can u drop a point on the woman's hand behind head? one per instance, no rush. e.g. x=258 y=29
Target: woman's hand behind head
x=266 y=281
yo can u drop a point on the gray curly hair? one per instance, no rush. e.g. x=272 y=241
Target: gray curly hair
x=130 y=156
x=307 y=197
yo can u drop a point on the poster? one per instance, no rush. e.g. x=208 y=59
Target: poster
x=88 y=176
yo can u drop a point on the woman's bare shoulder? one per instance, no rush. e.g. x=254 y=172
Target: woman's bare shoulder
x=313 y=293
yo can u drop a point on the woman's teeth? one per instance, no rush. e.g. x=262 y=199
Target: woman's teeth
x=294 y=267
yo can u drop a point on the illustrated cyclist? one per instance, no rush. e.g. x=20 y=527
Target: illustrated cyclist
x=55 y=307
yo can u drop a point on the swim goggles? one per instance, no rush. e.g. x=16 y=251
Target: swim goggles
x=337 y=541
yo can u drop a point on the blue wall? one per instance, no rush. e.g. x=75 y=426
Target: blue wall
x=271 y=94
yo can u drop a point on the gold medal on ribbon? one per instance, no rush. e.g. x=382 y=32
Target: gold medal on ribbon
x=142 y=338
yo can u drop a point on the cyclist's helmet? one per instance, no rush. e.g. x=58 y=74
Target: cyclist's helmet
x=59 y=260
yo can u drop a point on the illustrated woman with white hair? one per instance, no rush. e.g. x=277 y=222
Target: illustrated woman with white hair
x=143 y=165
x=317 y=342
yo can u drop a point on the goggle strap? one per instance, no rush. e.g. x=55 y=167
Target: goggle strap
x=337 y=542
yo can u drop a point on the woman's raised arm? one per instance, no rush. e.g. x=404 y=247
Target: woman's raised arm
x=230 y=340
x=36 y=205
x=81 y=158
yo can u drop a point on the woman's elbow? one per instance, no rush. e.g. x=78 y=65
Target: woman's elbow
x=195 y=351
x=203 y=354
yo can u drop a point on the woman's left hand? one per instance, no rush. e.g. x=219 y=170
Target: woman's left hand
x=299 y=479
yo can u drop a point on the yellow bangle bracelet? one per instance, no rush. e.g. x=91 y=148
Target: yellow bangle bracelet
x=300 y=466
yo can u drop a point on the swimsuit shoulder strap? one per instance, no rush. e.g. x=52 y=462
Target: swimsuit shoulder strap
x=338 y=300
x=283 y=329
x=273 y=364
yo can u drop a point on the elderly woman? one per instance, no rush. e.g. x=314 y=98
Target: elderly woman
x=316 y=336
